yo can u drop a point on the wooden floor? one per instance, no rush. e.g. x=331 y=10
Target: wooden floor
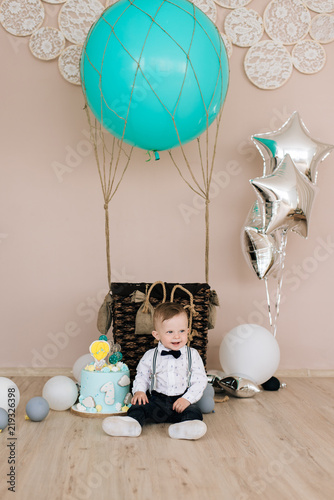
x=277 y=446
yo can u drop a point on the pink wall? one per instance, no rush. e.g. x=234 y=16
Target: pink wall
x=53 y=270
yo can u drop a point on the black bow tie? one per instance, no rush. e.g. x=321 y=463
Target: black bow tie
x=176 y=354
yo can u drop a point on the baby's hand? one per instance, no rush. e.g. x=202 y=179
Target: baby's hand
x=180 y=405
x=140 y=398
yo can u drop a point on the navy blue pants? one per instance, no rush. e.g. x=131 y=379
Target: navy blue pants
x=159 y=409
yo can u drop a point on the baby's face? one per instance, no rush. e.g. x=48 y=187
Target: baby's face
x=173 y=332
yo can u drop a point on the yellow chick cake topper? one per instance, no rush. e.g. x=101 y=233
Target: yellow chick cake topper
x=99 y=349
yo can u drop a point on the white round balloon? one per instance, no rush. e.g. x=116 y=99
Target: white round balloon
x=9 y=394
x=60 y=392
x=250 y=351
x=80 y=363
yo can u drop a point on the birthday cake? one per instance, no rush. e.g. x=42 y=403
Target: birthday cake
x=105 y=387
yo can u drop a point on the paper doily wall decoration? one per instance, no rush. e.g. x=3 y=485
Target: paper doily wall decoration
x=69 y=64
x=76 y=17
x=228 y=44
x=244 y=27
x=47 y=43
x=21 y=17
x=322 y=28
x=308 y=56
x=268 y=65
x=54 y=2
x=232 y=4
x=320 y=6
x=208 y=7
x=286 y=21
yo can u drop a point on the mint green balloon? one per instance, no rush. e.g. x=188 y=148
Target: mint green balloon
x=154 y=73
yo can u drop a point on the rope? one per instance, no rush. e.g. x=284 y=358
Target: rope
x=107 y=166
x=191 y=307
x=147 y=299
x=108 y=176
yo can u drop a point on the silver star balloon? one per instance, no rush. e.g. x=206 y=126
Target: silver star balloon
x=239 y=387
x=287 y=197
x=294 y=139
x=261 y=251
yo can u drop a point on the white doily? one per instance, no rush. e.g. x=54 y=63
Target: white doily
x=228 y=44
x=47 y=43
x=308 y=56
x=69 y=64
x=55 y=2
x=320 y=6
x=244 y=27
x=268 y=64
x=322 y=28
x=232 y=4
x=21 y=17
x=208 y=7
x=286 y=21
x=76 y=17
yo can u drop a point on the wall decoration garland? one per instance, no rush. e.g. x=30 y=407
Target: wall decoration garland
x=301 y=26
x=21 y=18
x=244 y=27
x=47 y=43
x=268 y=64
x=308 y=56
x=322 y=28
x=286 y=21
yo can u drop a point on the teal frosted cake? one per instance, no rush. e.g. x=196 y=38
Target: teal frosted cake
x=105 y=388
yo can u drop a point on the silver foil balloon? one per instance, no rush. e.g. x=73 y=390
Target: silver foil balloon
x=294 y=139
x=239 y=387
x=287 y=197
x=261 y=251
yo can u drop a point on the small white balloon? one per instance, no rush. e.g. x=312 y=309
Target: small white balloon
x=60 y=392
x=251 y=352
x=9 y=394
x=80 y=363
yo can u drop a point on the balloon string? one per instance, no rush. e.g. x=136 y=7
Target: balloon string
x=273 y=322
x=268 y=302
x=280 y=279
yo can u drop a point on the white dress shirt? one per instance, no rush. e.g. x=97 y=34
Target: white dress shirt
x=172 y=374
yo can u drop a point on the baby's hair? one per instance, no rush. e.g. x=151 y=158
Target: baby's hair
x=167 y=310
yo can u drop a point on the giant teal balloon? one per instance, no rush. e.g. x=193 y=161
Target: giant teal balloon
x=154 y=72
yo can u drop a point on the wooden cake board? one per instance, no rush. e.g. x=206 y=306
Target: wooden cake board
x=85 y=414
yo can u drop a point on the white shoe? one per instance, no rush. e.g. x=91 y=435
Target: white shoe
x=190 y=429
x=121 y=426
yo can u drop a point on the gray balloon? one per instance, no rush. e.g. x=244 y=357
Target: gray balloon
x=208 y=391
x=206 y=404
x=3 y=419
x=37 y=409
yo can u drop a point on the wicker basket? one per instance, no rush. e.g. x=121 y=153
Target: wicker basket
x=125 y=310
